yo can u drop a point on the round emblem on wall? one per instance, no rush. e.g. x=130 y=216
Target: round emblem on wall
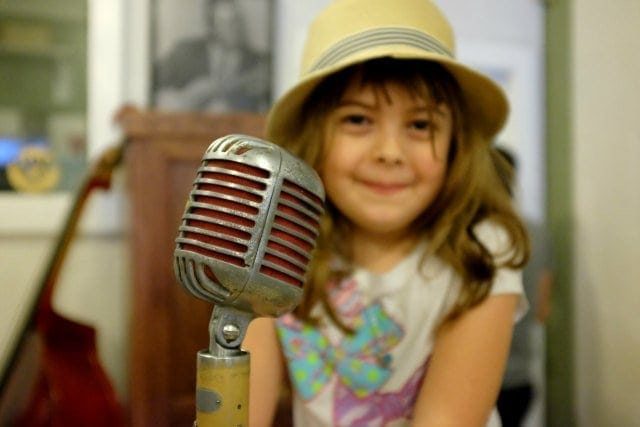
x=33 y=171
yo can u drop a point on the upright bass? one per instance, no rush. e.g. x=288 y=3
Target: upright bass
x=54 y=377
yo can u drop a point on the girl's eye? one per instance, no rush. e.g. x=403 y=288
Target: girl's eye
x=355 y=123
x=355 y=119
x=421 y=125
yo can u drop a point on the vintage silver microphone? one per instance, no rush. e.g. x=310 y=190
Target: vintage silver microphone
x=246 y=238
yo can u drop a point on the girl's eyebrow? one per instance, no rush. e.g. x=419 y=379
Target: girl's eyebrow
x=354 y=102
x=432 y=109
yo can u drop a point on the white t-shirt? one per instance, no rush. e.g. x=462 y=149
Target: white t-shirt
x=371 y=378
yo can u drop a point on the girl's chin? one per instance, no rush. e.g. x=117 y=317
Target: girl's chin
x=383 y=228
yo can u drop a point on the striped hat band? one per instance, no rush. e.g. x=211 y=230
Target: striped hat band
x=379 y=37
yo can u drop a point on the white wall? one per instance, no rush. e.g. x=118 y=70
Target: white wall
x=606 y=164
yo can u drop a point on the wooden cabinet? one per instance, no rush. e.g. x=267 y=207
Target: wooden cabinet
x=168 y=325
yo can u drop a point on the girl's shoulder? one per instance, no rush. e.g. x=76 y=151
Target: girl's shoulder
x=494 y=237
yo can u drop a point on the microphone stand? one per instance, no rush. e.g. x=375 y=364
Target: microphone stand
x=222 y=378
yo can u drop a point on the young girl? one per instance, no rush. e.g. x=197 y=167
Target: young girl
x=415 y=283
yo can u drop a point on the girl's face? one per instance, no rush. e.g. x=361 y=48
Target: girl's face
x=385 y=157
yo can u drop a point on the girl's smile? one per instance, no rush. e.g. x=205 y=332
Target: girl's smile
x=385 y=188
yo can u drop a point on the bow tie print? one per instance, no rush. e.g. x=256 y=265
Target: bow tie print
x=313 y=360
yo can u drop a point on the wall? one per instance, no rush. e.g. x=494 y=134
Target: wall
x=606 y=172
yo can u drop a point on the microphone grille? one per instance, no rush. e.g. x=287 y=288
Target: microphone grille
x=219 y=222
x=293 y=234
x=226 y=199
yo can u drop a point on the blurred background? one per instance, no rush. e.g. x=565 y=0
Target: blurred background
x=569 y=68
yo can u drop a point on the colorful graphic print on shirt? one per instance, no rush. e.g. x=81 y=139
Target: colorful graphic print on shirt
x=360 y=362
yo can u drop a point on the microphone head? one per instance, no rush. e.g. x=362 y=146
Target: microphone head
x=249 y=227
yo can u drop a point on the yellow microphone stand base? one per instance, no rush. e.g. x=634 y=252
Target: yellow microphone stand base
x=222 y=377
x=222 y=390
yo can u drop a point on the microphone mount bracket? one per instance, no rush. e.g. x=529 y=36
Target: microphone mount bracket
x=227 y=329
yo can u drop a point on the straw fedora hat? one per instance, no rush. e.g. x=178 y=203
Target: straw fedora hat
x=348 y=32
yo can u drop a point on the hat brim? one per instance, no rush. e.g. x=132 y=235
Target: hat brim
x=485 y=99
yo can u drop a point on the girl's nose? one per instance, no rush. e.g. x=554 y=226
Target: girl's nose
x=388 y=149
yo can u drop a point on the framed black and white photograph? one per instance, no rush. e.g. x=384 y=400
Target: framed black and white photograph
x=211 y=55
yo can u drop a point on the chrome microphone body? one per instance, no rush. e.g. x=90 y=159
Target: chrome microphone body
x=245 y=241
x=249 y=227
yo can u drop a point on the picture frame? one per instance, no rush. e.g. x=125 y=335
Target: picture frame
x=211 y=55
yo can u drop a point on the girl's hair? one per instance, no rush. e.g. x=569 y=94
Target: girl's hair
x=472 y=191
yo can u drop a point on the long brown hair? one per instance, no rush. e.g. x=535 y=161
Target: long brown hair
x=472 y=191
